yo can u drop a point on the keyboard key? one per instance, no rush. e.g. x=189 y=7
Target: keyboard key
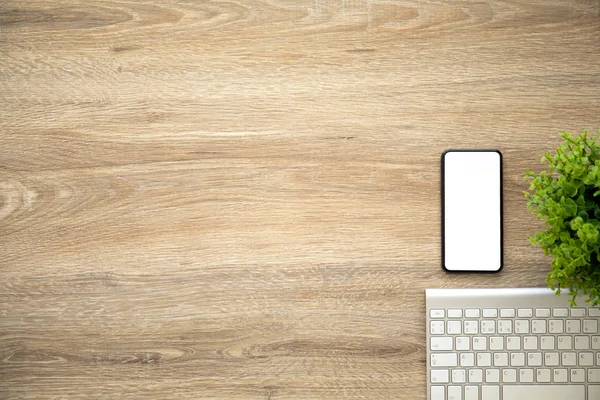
x=594 y=312
x=444 y=360
x=439 y=376
x=496 y=343
x=505 y=326
x=525 y=312
x=488 y=327
x=551 y=359
x=437 y=328
x=586 y=359
x=522 y=326
x=577 y=375
x=513 y=343
x=525 y=376
x=436 y=314
x=573 y=326
x=492 y=375
x=454 y=393
x=438 y=393
x=582 y=342
x=593 y=375
x=530 y=343
x=595 y=342
x=454 y=327
x=462 y=343
x=471 y=392
x=459 y=376
x=538 y=326
x=455 y=313
x=509 y=375
x=547 y=343
x=490 y=392
x=542 y=312
x=590 y=326
x=593 y=392
x=467 y=359
x=475 y=375
x=534 y=359
x=507 y=313
x=543 y=375
x=554 y=392
x=490 y=313
x=560 y=375
x=441 y=343
x=517 y=359
x=479 y=343
x=560 y=312
x=471 y=327
x=500 y=359
x=578 y=312
x=565 y=343
x=556 y=326
x=472 y=313
x=568 y=359
x=484 y=359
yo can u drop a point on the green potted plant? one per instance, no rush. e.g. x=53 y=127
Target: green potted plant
x=567 y=197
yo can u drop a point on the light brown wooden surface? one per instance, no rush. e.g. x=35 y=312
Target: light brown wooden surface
x=240 y=199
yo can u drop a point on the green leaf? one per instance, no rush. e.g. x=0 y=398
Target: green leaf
x=576 y=223
x=565 y=197
x=570 y=208
x=570 y=189
x=583 y=215
x=564 y=237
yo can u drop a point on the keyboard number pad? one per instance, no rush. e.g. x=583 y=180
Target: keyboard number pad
x=488 y=327
x=471 y=327
x=590 y=326
x=573 y=326
x=538 y=326
x=556 y=326
x=453 y=327
x=521 y=326
x=505 y=326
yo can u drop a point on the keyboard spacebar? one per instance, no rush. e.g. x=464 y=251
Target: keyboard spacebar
x=546 y=392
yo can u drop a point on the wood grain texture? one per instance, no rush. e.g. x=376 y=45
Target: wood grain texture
x=240 y=199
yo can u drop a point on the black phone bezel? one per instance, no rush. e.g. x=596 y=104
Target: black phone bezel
x=501 y=209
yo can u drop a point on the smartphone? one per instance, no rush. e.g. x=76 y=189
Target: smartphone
x=472 y=210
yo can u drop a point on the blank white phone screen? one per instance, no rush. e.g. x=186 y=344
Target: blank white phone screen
x=472 y=233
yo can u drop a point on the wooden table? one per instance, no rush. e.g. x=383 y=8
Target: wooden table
x=240 y=200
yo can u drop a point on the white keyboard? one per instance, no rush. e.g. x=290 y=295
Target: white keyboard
x=511 y=344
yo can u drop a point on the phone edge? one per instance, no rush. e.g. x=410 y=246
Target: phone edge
x=442 y=199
